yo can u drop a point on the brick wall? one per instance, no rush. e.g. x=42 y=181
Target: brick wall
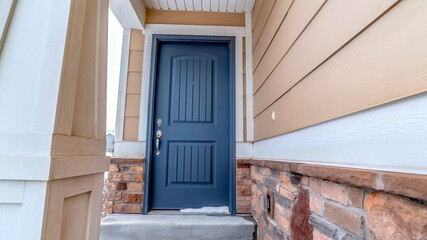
x=243 y=185
x=307 y=207
x=124 y=186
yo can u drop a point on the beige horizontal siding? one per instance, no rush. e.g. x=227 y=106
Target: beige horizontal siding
x=133 y=89
x=195 y=18
x=317 y=43
x=351 y=56
x=300 y=14
x=134 y=83
x=255 y=12
x=277 y=15
x=262 y=20
x=131 y=126
x=132 y=105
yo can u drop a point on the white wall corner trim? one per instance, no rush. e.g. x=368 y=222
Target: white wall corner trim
x=121 y=99
x=145 y=88
x=249 y=80
x=239 y=89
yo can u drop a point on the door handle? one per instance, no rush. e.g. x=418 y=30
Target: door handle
x=158 y=136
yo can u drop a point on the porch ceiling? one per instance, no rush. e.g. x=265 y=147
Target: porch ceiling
x=237 y=6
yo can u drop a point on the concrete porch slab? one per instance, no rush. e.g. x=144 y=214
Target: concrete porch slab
x=153 y=227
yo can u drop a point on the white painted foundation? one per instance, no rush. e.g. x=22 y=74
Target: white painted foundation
x=391 y=137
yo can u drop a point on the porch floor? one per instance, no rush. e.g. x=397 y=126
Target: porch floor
x=172 y=226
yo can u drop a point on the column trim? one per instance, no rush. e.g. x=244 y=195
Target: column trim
x=121 y=99
x=239 y=89
x=145 y=88
x=249 y=80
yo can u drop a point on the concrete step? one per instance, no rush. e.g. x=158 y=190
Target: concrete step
x=188 y=227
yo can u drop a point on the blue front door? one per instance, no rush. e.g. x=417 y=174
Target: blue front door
x=193 y=97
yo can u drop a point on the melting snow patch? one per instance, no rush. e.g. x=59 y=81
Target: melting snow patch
x=223 y=209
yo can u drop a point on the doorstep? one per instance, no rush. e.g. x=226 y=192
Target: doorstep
x=173 y=226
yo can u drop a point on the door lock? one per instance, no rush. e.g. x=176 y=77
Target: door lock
x=158 y=136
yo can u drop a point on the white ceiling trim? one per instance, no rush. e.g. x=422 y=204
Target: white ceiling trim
x=237 y=6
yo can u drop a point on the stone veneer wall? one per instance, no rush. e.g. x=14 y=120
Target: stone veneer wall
x=124 y=187
x=309 y=201
x=320 y=203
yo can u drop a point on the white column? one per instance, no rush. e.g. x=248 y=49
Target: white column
x=51 y=161
x=121 y=99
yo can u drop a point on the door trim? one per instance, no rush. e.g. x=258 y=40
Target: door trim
x=151 y=106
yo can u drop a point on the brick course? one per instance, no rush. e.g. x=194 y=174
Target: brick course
x=343 y=217
x=334 y=192
x=243 y=185
x=125 y=183
x=124 y=186
x=316 y=205
x=319 y=236
x=355 y=197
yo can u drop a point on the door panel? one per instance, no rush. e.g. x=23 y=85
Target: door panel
x=190 y=162
x=193 y=99
x=192 y=89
